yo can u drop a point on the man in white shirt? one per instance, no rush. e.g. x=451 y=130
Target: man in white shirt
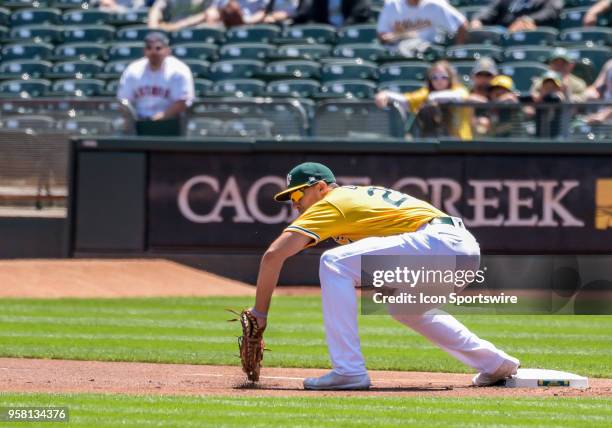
x=159 y=86
x=422 y=19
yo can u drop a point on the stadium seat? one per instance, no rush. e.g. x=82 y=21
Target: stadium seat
x=572 y=17
x=27 y=50
x=589 y=36
x=37 y=33
x=203 y=34
x=597 y=55
x=401 y=86
x=357 y=88
x=25 y=88
x=294 y=88
x=82 y=50
x=403 y=71
x=78 y=87
x=462 y=3
x=198 y=68
x=258 y=51
x=523 y=73
x=111 y=88
x=35 y=16
x=474 y=52
x=305 y=51
x=343 y=69
x=113 y=70
x=133 y=33
x=469 y=11
x=201 y=86
x=238 y=87
x=464 y=71
x=486 y=35
x=129 y=17
x=579 y=3
x=38 y=123
x=249 y=127
x=539 y=36
x=310 y=33
x=5 y=17
x=361 y=33
x=89 y=33
x=18 y=4
x=366 y=51
x=235 y=68
x=24 y=69
x=125 y=51
x=203 y=51
x=261 y=33
x=527 y=53
x=85 y=17
x=88 y=125
x=300 y=69
x=71 y=4
x=205 y=127
x=76 y=69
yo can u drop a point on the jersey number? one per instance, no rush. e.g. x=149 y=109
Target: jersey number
x=399 y=198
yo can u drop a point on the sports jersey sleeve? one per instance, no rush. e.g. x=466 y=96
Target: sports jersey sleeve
x=182 y=87
x=386 y=19
x=126 y=90
x=447 y=17
x=319 y=222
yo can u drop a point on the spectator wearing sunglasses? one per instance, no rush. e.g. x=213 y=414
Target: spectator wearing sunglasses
x=434 y=118
x=159 y=86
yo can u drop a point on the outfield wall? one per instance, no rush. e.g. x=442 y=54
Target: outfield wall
x=209 y=203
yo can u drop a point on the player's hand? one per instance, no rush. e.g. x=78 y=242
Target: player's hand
x=522 y=24
x=589 y=19
x=382 y=99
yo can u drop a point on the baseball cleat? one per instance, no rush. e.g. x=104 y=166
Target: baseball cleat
x=505 y=371
x=333 y=381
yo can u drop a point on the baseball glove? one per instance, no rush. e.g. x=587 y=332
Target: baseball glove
x=250 y=344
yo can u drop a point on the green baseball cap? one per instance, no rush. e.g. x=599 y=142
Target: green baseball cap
x=551 y=75
x=305 y=175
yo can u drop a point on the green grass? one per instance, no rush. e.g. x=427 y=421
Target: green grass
x=194 y=330
x=95 y=410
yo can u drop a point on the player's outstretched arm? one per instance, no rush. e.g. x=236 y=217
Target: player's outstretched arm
x=285 y=246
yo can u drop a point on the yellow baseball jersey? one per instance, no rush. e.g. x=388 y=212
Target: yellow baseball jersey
x=351 y=213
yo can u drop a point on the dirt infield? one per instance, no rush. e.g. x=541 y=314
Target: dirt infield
x=62 y=376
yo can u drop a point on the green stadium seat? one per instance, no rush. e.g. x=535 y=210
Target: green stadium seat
x=89 y=33
x=523 y=73
x=235 y=68
x=294 y=88
x=463 y=3
x=540 y=36
x=357 y=88
x=579 y=3
x=249 y=127
x=85 y=17
x=344 y=69
x=25 y=88
x=464 y=71
x=238 y=87
x=301 y=69
x=473 y=52
x=366 y=51
x=572 y=17
x=4 y=33
x=201 y=86
x=78 y=87
x=76 y=69
x=71 y=4
x=305 y=51
x=37 y=33
x=589 y=36
x=24 y=69
x=27 y=50
x=527 y=53
x=29 y=123
x=18 y=4
x=130 y=17
x=310 y=33
x=360 y=33
x=133 y=33
x=262 y=33
x=401 y=86
x=259 y=51
x=5 y=17
x=597 y=55
x=203 y=51
x=408 y=70
x=126 y=51
x=205 y=127
x=113 y=69
x=35 y=16
x=83 y=50
x=88 y=125
x=486 y=35
x=199 y=68
x=111 y=88
x=202 y=34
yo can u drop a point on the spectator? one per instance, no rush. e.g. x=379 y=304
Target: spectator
x=548 y=118
x=422 y=19
x=503 y=121
x=158 y=86
x=175 y=15
x=519 y=15
x=574 y=88
x=240 y=12
x=334 y=12
x=601 y=89
x=502 y=90
x=118 y=6
x=599 y=8
x=483 y=72
x=442 y=87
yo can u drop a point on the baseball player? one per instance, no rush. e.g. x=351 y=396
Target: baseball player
x=370 y=221
x=159 y=86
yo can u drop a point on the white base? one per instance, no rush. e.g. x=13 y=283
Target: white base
x=534 y=378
